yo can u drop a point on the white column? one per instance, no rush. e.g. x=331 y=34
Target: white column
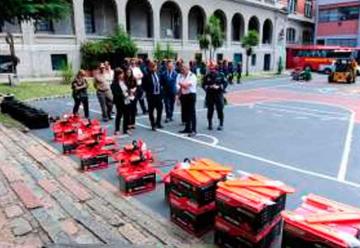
x=121 y=12
x=228 y=32
x=185 y=26
x=156 y=11
x=79 y=20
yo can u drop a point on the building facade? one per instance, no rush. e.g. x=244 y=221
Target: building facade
x=338 y=22
x=43 y=47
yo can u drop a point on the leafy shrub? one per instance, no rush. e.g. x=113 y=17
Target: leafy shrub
x=67 y=73
x=114 y=49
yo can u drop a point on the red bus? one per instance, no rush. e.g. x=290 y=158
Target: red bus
x=314 y=57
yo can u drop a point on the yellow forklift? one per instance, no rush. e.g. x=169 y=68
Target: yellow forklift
x=344 y=71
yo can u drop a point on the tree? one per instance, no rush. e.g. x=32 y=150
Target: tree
x=114 y=49
x=17 y=11
x=213 y=37
x=248 y=42
x=204 y=44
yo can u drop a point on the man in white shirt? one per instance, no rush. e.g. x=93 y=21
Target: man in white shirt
x=109 y=73
x=186 y=85
x=138 y=75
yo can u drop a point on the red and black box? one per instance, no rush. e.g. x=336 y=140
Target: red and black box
x=94 y=162
x=321 y=223
x=136 y=179
x=230 y=236
x=251 y=203
x=183 y=182
x=189 y=216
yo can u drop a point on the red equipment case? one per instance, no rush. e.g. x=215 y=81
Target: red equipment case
x=230 y=236
x=135 y=171
x=321 y=223
x=198 y=182
x=195 y=220
x=252 y=202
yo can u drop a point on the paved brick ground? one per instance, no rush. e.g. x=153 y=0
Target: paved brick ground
x=44 y=199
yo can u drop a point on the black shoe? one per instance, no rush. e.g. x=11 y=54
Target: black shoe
x=105 y=119
x=192 y=134
x=210 y=127
x=171 y=119
x=110 y=118
x=153 y=129
x=159 y=126
x=167 y=120
x=220 y=128
x=184 y=131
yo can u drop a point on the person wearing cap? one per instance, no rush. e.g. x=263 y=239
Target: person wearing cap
x=153 y=88
x=186 y=85
x=169 y=81
x=79 y=92
x=214 y=84
x=103 y=93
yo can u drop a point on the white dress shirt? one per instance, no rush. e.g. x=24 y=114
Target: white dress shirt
x=191 y=79
x=138 y=75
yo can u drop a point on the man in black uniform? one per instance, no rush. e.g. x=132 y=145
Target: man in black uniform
x=214 y=84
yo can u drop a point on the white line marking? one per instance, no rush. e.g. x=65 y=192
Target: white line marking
x=254 y=157
x=306 y=109
x=263 y=106
x=347 y=148
x=215 y=140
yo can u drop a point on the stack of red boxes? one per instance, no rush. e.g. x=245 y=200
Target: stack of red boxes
x=87 y=139
x=192 y=195
x=249 y=212
x=323 y=223
x=135 y=171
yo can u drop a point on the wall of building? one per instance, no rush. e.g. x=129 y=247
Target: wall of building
x=35 y=49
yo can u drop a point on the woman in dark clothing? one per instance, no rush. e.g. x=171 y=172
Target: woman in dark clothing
x=121 y=100
x=79 y=87
x=132 y=87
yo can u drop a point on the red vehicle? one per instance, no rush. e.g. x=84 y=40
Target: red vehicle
x=314 y=57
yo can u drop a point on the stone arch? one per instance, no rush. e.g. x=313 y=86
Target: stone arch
x=139 y=19
x=267 y=32
x=100 y=17
x=237 y=27
x=223 y=20
x=196 y=22
x=170 y=21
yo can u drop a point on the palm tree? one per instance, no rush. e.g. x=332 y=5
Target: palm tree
x=213 y=37
x=248 y=42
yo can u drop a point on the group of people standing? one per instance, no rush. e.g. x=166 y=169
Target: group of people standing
x=162 y=84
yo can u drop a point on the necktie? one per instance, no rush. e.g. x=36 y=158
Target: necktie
x=156 y=85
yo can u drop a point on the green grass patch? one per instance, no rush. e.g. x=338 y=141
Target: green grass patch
x=30 y=90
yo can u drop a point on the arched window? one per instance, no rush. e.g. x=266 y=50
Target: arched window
x=237 y=24
x=267 y=32
x=170 y=21
x=139 y=18
x=196 y=22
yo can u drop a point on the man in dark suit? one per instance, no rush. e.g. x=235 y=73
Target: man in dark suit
x=169 y=81
x=154 y=94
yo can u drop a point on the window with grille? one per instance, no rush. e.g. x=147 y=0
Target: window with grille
x=290 y=35
x=292 y=6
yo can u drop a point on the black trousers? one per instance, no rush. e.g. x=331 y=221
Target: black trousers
x=189 y=111
x=155 y=102
x=132 y=112
x=122 y=111
x=215 y=100
x=183 y=112
x=81 y=100
x=169 y=100
x=141 y=99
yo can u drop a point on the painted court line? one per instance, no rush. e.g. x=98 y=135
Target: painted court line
x=257 y=158
x=265 y=106
x=307 y=109
x=347 y=148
